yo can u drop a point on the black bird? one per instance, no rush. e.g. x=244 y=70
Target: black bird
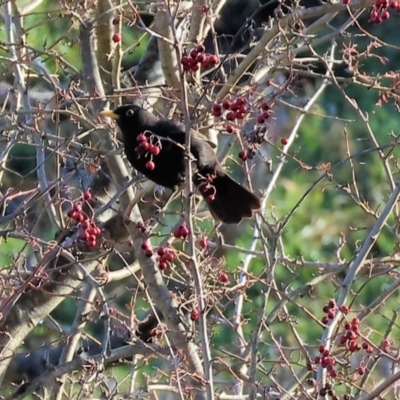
x=227 y=200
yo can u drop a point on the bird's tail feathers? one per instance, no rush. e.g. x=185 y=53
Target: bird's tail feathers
x=228 y=201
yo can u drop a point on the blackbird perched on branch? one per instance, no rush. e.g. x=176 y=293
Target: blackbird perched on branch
x=156 y=148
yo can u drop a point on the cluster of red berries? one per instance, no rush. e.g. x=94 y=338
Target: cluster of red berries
x=326 y=360
x=181 y=232
x=198 y=58
x=146 y=147
x=380 y=10
x=166 y=256
x=265 y=113
x=90 y=233
x=350 y=336
x=237 y=109
x=331 y=309
x=76 y=213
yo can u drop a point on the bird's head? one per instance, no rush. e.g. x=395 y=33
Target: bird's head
x=127 y=116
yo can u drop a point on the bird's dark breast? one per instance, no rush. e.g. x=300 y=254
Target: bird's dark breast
x=169 y=170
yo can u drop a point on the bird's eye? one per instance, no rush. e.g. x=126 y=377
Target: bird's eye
x=130 y=113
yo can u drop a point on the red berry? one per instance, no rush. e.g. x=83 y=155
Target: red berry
x=265 y=107
x=234 y=107
x=284 y=142
x=193 y=54
x=184 y=231
x=217 y=108
x=150 y=165
x=239 y=115
x=231 y=116
x=85 y=224
x=185 y=60
x=352 y=345
x=333 y=374
x=343 y=340
x=200 y=58
x=322 y=348
x=144 y=146
x=195 y=68
x=325 y=320
x=205 y=9
x=331 y=314
x=223 y=278
x=149 y=253
x=146 y=245
x=117 y=37
x=260 y=119
x=85 y=235
x=243 y=109
x=87 y=196
x=177 y=232
x=230 y=129
x=355 y=321
x=141 y=137
x=203 y=242
x=91 y=243
x=227 y=104
x=266 y=115
x=361 y=370
x=115 y=21
x=161 y=251
x=163 y=266
x=385 y=14
x=240 y=101
x=194 y=315
x=213 y=59
x=346 y=1
x=170 y=256
x=155 y=150
x=243 y=155
x=77 y=207
x=317 y=360
x=344 y=309
x=205 y=64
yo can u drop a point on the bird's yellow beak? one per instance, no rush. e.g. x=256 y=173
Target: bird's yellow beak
x=109 y=114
